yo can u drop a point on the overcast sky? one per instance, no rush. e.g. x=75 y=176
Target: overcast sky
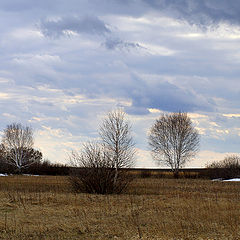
x=64 y=64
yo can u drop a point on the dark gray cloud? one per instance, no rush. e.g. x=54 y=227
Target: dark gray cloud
x=114 y=43
x=66 y=26
x=132 y=110
x=167 y=97
x=202 y=13
x=62 y=26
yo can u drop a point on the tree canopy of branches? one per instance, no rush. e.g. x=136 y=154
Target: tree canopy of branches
x=102 y=164
x=173 y=140
x=115 y=133
x=17 y=144
x=95 y=172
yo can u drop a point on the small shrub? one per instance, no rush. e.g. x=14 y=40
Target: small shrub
x=95 y=171
x=99 y=181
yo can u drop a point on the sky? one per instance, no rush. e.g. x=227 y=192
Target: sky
x=65 y=64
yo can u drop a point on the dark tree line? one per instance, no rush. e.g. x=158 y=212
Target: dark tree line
x=227 y=168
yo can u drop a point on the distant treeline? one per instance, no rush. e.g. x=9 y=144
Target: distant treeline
x=44 y=167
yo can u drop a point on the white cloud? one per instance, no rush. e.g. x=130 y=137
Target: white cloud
x=232 y=115
x=26 y=34
x=73 y=25
x=207 y=157
x=158 y=50
x=144 y=159
x=4 y=95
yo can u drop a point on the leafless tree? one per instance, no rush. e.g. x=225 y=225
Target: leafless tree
x=100 y=167
x=94 y=171
x=17 y=142
x=115 y=133
x=173 y=140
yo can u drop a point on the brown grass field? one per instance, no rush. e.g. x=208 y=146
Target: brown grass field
x=152 y=208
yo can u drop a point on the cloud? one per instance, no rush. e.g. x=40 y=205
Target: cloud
x=113 y=44
x=232 y=115
x=69 y=25
x=144 y=55
x=201 y=13
x=166 y=96
x=25 y=5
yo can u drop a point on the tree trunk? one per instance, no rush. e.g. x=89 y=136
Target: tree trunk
x=115 y=177
x=176 y=174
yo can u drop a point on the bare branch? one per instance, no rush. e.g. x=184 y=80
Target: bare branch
x=17 y=142
x=100 y=165
x=173 y=140
x=115 y=133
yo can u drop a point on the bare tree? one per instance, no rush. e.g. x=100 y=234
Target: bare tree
x=17 y=142
x=100 y=167
x=115 y=133
x=173 y=140
x=94 y=171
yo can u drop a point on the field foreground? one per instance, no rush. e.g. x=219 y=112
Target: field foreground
x=45 y=208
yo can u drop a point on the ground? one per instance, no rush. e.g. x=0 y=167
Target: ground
x=34 y=207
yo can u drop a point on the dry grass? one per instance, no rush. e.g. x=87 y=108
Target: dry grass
x=168 y=174
x=45 y=208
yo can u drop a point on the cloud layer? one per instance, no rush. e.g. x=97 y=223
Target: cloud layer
x=65 y=64
x=73 y=25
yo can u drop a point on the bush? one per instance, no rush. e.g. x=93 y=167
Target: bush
x=99 y=181
x=95 y=171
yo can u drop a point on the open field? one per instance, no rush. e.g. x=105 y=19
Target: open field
x=152 y=208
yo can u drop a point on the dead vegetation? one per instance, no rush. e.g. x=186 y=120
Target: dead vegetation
x=152 y=208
